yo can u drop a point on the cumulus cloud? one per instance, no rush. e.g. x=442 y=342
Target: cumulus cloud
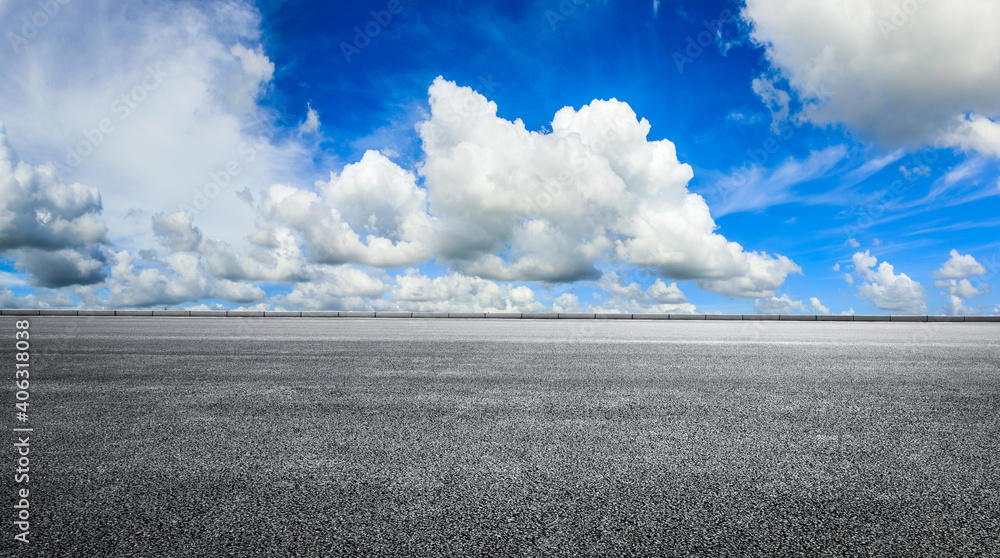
x=786 y=305
x=520 y=205
x=955 y=307
x=871 y=64
x=617 y=295
x=51 y=228
x=181 y=278
x=962 y=288
x=39 y=299
x=372 y=213
x=887 y=290
x=959 y=266
x=492 y=201
x=567 y=303
x=339 y=288
x=192 y=72
x=176 y=231
x=953 y=278
x=817 y=306
x=415 y=292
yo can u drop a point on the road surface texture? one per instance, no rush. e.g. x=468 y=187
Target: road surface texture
x=353 y=437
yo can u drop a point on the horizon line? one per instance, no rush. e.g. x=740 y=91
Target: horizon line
x=22 y=312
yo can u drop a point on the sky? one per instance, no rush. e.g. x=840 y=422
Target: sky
x=757 y=156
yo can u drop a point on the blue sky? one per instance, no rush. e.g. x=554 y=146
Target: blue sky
x=654 y=156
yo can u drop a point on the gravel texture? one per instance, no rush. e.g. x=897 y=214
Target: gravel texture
x=352 y=437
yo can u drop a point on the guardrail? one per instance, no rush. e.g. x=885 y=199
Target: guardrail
x=499 y=315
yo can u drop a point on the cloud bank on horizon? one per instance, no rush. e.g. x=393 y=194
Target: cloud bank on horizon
x=262 y=155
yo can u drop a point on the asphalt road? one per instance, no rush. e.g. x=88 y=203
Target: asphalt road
x=313 y=437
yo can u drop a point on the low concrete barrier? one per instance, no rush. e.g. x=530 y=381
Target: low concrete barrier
x=650 y=316
x=871 y=318
x=319 y=314
x=61 y=312
x=502 y=315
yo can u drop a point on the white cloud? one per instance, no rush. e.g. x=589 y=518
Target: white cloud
x=849 y=278
x=779 y=305
x=49 y=227
x=754 y=188
x=520 y=205
x=887 y=290
x=954 y=307
x=373 y=213
x=140 y=87
x=180 y=278
x=39 y=299
x=852 y=243
x=659 y=298
x=953 y=277
x=959 y=266
x=143 y=86
x=458 y=293
x=962 y=287
x=311 y=124
x=817 y=306
x=776 y=100
x=836 y=267
x=872 y=65
x=566 y=303
x=254 y=62
x=339 y=288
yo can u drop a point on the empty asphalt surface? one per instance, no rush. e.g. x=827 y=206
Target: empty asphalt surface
x=325 y=437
